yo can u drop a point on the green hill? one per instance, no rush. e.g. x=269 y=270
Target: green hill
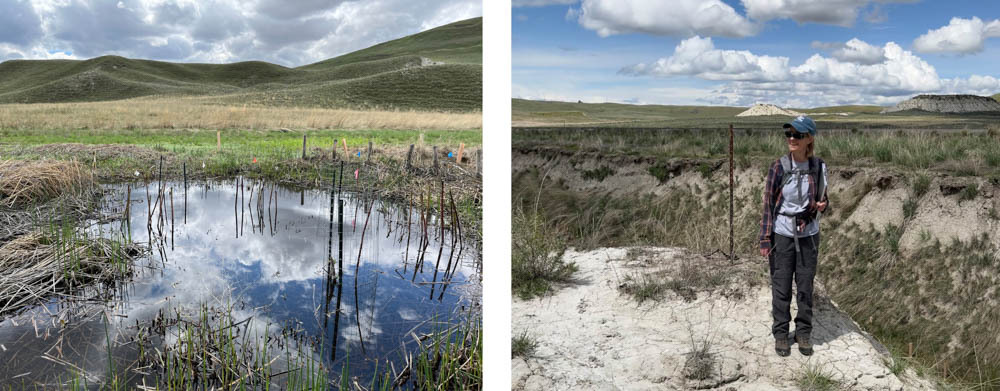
x=460 y=42
x=438 y=69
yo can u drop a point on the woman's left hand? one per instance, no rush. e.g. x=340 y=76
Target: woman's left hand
x=821 y=206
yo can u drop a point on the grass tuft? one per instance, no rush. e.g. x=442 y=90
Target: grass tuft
x=700 y=362
x=814 y=378
x=969 y=192
x=536 y=259
x=598 y=174
x=921 y=184
x=522 y=345
x=33 y=182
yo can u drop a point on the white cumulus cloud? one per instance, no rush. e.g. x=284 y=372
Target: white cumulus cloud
x=959 y=36
x=848 y=77
x=859 y=52
x=697 y=56
x=656 y=17
x=540 y=3
x=835 y=12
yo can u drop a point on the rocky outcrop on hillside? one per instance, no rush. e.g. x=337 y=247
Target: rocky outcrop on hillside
x=767 y=109
x=947 y=104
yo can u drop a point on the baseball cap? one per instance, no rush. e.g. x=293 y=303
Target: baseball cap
x=802 y=124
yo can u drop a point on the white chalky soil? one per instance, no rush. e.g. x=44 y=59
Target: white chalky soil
x=591 y=337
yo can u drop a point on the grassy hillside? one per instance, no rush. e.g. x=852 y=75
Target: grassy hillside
x=528 y=113
x=460 y=42
x=391 y=75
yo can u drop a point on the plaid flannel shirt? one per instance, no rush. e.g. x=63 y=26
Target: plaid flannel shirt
x=772 y=199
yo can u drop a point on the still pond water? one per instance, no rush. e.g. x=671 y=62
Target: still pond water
x=269 y=254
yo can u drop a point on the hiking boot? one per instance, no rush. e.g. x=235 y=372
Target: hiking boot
x=781 y=347
x=805 y=347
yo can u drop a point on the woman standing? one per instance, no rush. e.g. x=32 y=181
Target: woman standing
x=794 y=195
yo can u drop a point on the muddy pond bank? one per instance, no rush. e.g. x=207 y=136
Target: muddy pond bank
x=261 y=271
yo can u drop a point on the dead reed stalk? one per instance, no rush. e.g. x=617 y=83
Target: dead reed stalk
x=36 y=265
x=26 y=182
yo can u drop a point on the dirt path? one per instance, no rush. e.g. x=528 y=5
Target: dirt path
x=592 y=337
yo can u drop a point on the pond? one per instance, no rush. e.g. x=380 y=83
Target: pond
x=310 y=271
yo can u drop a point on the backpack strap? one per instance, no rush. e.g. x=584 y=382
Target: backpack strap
x=787 y=169
x=815 y=168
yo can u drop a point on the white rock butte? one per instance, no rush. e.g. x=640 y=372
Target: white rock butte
x=767 y=109
x=947 y=104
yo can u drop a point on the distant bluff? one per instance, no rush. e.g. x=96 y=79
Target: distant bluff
x=947 y=104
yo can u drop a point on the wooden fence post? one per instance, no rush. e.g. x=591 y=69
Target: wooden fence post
x=345 y=147
x=435 y=152
x=303 y=147
x=369 y=151
x=479 y=162
x=409 y=158
x=461 y=150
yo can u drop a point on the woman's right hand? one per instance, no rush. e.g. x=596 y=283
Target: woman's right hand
x=764 y=252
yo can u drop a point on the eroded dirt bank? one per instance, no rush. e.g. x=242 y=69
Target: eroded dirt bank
x=591 y=337
x=910 y=255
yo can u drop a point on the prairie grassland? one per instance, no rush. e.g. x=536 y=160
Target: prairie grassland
x=185 y=113
x=957 y=152
x=614 y=115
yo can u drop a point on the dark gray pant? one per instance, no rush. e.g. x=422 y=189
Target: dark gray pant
x=785 y=266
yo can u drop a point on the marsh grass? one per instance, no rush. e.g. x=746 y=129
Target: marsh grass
x=212 y=348
x=59 y=260
x=129 y=155
x=34 y=182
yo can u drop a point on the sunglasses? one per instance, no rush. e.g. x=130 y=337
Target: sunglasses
x=795 y=135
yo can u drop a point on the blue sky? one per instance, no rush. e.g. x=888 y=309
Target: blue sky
x=798 y=53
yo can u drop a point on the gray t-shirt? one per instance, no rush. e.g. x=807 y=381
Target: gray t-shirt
x=792 y=203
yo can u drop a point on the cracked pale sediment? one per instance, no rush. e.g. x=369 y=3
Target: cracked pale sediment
x=592 y=337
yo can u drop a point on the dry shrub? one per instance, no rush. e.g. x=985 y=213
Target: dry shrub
x=25 y=182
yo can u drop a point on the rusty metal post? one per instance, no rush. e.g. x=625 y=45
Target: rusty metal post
x=732 y=255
